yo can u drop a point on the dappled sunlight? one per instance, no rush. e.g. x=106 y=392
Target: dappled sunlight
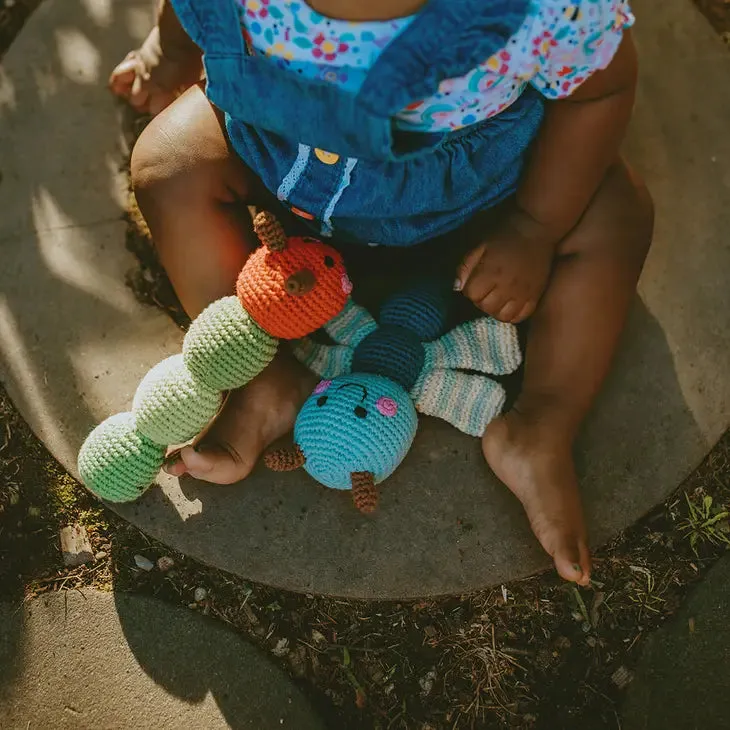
x=184 y=507
x=66 y=255
x=118 y=182
x=28 y=385
x=47 y=83
x=109 y=363
x=100 y=11
x=138 y=21
x=80 y=59
x=8 y=101
x=63 y=193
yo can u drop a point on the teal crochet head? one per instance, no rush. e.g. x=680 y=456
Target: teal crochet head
x=360 y=422
x=288 y=288
x=355 y=424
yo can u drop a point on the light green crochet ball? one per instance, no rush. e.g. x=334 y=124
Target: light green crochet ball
x=116 y=462
x=171 y=406
x=224 y=348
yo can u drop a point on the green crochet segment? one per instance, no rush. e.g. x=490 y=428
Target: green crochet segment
x=224 y=348
x=117 y=462
x=171 y=406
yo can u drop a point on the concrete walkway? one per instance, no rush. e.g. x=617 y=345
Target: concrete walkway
x=74 y=343
x=682 y=681
x=97 y=661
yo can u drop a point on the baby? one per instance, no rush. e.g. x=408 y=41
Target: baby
x=481 y=135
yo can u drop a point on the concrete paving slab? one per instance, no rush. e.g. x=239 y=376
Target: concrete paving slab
x=96 y=660
x=74 y=353
x=681 y=681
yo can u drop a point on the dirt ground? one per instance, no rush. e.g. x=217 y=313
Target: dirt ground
x=531 y=654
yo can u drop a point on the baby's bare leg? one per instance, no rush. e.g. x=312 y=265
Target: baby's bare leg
x=571 y=341
x=193 y=191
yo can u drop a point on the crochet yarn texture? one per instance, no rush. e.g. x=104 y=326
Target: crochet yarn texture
x=171 y=405
x=293 y=292
x=224 y=348
x=293 y=286
x=118 y=460
x=360 y=422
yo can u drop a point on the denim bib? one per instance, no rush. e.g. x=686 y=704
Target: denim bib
x=333 y=156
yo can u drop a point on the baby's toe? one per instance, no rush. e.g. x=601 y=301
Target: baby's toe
x=573 y=562
x=214 y=463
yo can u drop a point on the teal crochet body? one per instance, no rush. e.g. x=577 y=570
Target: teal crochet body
x=360 y=422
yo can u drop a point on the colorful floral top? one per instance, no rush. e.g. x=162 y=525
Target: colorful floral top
x=559 y=45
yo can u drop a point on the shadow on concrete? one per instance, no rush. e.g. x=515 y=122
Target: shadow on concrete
x=189 y=663
x=96 y=660
x=11 y=646
x=446 y=524
x=62 y=194
x=681 y=681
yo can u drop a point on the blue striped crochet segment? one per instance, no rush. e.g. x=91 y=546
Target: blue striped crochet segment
x=358 y=425
x=327 y=361
x=464 y=400
x=485 y=345
x=351 y=326
x=422 y=310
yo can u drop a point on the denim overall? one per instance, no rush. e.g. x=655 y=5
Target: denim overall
x=334 y=158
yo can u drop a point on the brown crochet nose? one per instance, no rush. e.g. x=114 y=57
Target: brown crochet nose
x=301 y=282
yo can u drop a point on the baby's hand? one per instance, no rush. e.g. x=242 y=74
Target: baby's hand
x=506 y=275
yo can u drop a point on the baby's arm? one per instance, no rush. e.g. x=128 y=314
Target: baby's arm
x=167 y=63
x=579 y=140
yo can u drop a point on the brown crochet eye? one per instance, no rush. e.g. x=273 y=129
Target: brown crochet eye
x=360 y=412
x=321 y=400
x=329 y=262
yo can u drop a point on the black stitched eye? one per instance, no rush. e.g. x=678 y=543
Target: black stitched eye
x=329 y=262
x=360 y=412
x=321 y=400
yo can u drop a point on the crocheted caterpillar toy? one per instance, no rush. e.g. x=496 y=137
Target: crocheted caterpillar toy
x=358 y=425
x=288 y=288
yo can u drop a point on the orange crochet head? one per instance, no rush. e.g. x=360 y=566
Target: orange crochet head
x=291 y=286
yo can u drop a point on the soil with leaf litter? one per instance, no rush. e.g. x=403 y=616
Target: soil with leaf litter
x=536 y=653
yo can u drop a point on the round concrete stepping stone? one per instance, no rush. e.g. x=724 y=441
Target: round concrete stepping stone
x=96 y=660
x=75 y=343
x=681 y=681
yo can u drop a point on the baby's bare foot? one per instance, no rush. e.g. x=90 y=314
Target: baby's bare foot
x=150 y=79
x=252 y=419
x=536 y=463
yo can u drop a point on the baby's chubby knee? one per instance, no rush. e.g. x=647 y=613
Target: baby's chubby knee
x=160 y=161
x=183 y=152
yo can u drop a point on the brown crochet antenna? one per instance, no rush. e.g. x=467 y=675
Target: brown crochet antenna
x=285 y=459
x=270 y=231
x=364 y=492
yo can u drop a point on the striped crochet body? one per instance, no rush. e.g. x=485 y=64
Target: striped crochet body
x=362 y=418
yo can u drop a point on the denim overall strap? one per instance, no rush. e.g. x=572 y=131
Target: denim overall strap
x=447 y=39
x=252 y=90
